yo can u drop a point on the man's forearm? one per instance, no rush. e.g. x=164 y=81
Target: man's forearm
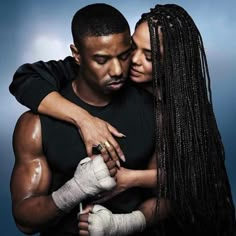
x=34 y=213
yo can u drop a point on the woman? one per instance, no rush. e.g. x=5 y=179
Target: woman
x=169 y=60
x=188 y=142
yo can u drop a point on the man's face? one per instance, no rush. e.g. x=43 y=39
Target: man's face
x=104 y=61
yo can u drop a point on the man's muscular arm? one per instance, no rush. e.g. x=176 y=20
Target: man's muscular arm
x=33 y=208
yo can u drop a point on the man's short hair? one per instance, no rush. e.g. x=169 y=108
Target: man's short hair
x=97 y=20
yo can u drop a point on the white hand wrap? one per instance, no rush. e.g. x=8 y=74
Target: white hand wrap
x=90 y=178
x=103 y=222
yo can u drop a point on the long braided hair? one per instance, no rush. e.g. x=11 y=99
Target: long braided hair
x=188 y=143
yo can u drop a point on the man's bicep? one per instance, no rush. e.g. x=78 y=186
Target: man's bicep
x=31 y=174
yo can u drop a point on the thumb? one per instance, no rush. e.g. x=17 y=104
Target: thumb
x=86 y=210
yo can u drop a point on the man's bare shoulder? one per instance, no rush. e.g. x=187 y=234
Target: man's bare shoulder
x=27 y=133
x=27 y=121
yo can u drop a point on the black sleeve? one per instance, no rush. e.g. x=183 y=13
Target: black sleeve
x=32 y=82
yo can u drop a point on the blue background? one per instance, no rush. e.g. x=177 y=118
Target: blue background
x=33 y=30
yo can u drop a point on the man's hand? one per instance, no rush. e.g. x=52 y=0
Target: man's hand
x=112 y=167
x=124 y=178
x=91 y=177
x=98 y=220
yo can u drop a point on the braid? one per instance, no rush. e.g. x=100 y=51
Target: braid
x=188 y=143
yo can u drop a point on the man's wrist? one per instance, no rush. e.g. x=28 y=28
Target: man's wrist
x=65 y=198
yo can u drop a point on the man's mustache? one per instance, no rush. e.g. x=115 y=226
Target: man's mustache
x=116 y=80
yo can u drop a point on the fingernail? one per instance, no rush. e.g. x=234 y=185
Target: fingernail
x=123 y=136
x=118 y=163
x=122 y=157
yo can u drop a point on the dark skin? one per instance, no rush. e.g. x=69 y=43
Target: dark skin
x=31 y=177
x=94 y=57
x=103 y=60
x=104 y=63
x=33 y=208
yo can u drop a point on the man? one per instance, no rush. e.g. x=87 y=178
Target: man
x=50 y=177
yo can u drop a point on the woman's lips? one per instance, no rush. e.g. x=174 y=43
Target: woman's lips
x=134 y=72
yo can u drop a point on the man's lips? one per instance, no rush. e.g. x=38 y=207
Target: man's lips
x=117 y=82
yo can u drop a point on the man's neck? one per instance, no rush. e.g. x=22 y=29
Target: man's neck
x=89 y=95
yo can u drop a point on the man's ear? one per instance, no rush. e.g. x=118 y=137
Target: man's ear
x=75 y=53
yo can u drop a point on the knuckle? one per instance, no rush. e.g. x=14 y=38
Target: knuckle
x=105 y=158
x=113 y=172
x=116 y=146
x=104 y=151
x=115 y=157
x=112 y=163
x=111 y=150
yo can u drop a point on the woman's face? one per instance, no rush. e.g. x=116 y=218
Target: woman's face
x=141 y=61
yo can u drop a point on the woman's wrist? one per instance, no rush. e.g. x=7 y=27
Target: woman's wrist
x=78 y=116
x=58 y=107
x=144 y=178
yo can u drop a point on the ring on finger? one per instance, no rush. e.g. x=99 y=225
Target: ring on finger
x=107 y=144
x=99 y=147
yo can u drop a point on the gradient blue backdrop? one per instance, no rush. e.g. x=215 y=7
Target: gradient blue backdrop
x=33 y=30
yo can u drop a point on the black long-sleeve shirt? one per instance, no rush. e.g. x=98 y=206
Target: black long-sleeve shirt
x=32 y=82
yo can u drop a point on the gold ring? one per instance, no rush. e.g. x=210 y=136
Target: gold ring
x=107 y=144
x=99 y=147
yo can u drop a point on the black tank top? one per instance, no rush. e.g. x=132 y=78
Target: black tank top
x=131 y=112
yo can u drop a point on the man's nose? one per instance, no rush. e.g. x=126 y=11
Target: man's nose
x=115 y=68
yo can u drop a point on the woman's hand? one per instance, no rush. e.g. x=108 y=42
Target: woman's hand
x=94 y=131
x=124 y=178
x=127 y=178
x=98 y=133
